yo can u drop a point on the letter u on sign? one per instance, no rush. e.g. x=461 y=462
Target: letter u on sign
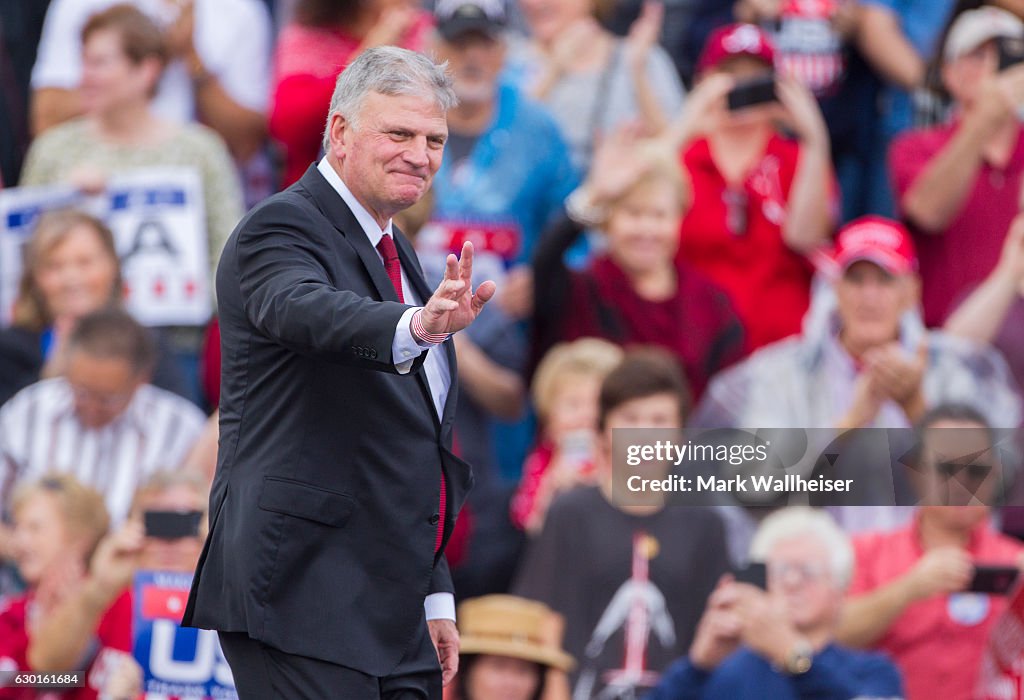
x=206 y=664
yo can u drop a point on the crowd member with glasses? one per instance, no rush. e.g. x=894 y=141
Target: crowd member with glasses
x=780 y=642
x=57 y=525
x=910 y=595
x=863 y=361
x=101 y=420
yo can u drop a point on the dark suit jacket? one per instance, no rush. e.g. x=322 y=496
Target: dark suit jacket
x=324 y=508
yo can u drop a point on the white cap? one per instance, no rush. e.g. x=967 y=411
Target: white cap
x=974 y=27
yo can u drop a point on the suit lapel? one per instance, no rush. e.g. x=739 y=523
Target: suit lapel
x=342 y=218
x=411 y=266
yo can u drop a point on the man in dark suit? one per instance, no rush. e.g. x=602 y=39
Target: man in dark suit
x=336 y=487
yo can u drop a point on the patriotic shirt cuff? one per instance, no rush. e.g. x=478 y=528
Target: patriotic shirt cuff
x=421 y=334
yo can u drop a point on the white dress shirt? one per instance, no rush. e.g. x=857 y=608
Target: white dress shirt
x=405 y=346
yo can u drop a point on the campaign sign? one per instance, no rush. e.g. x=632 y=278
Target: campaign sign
x=495 y=247
x=176 y=661
x=158 y=219
x=159 y=222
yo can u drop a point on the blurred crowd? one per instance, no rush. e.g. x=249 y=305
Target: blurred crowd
x=759 y=214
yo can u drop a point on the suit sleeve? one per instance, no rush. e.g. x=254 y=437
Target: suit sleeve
x=288 y=295
x=441 y=579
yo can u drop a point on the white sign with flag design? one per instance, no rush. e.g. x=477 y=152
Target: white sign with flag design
x=158 y=220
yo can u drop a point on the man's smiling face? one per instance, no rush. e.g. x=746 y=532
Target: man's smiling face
x=391 y=151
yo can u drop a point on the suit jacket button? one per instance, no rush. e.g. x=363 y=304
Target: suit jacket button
x=434 y=519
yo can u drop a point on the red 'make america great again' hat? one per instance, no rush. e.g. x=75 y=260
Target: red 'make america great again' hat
x=736 y=40
x=882 y=241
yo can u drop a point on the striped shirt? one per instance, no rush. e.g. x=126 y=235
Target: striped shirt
x=40 y=433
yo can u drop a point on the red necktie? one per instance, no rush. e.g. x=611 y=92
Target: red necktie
x=393 y=267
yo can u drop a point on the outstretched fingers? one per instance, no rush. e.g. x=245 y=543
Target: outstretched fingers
x=466 y=262
x=451 y=267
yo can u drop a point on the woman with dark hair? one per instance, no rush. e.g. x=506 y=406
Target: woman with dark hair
x=508 y=650
x=71 y=270
x=326 y=36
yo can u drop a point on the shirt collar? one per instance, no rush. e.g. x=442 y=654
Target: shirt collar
x=365 y=219
x=840 y=360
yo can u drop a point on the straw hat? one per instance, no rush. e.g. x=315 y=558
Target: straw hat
x=505 y=625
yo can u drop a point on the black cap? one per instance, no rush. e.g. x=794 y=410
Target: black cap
x=456 y=17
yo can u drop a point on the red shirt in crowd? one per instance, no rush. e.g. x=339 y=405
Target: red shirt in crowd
x=734 y=236
x=960 y=257
x=306 y=64
x=937 y=643
x=527 y=498
x=114 y=632
x=697 y=324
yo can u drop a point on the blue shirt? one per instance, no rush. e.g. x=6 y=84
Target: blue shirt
x=922 y=22
x=836 y=674
x=519 y=172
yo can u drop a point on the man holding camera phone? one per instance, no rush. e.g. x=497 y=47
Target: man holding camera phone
x=958 y=184
x=929 y=593
x=775 y=638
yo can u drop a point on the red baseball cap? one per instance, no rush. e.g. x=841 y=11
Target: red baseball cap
x=736 y=40
x=882 y=241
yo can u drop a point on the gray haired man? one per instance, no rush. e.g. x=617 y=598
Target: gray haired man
x=776 y=643
x=336 y=487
